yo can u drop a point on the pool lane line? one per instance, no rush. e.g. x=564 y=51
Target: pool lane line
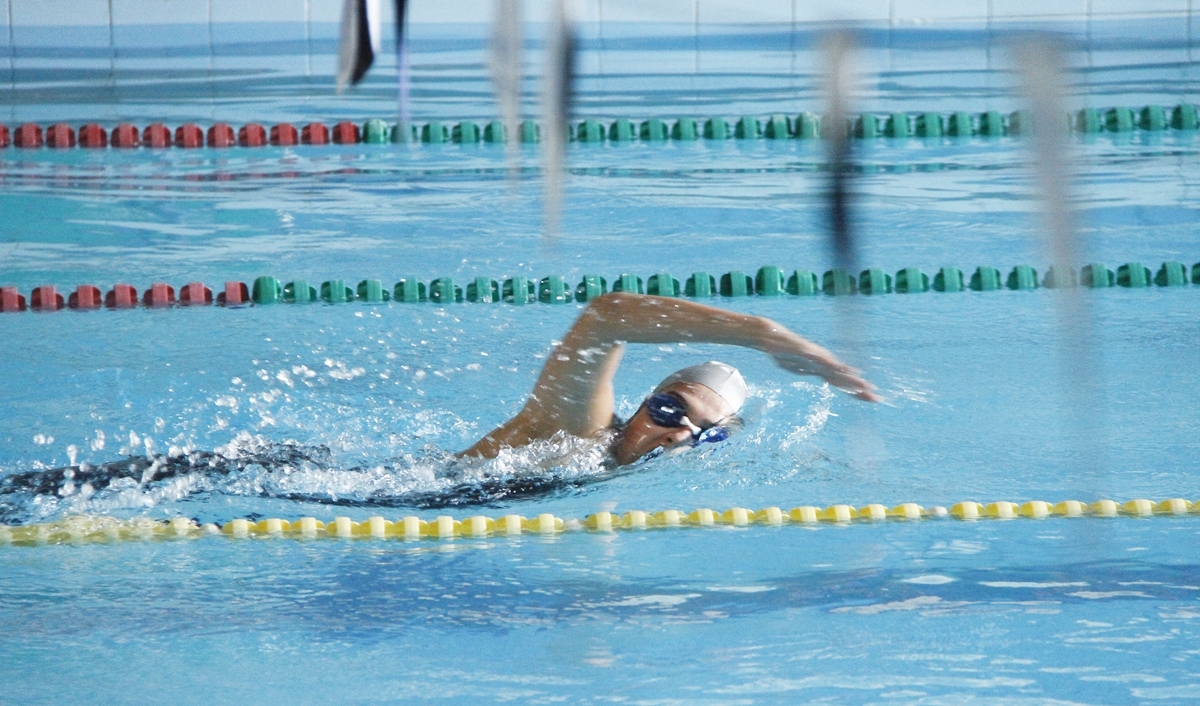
x=778 y=126
x=83 y=529
x=769 y=281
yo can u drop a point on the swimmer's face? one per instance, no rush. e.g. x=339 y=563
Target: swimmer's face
x=641 y=435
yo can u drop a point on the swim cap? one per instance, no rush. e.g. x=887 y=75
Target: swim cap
x=722 y=379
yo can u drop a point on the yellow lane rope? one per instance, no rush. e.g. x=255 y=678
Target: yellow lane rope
x=106 y=529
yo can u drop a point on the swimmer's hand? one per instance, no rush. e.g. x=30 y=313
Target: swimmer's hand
x=803 y=357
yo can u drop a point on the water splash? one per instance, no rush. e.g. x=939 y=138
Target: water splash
x=254 y=466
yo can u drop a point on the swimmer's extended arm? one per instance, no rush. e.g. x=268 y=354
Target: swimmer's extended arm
x=574 y=392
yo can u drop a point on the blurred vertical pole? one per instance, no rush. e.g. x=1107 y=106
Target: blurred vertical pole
x=1042 y=70
x=403 y=81
x=308 y=38
x=354 y=45
x=1041 y=67
x=556 y=113
x=600 y=38
x=837 y=134
x=866 y=448
x=835 y=128
x=506 y=64
x=112 y=57
x=792 y=48
x=12 y=67
x=212 y=80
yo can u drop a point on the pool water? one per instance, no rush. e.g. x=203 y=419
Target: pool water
x=982 y=404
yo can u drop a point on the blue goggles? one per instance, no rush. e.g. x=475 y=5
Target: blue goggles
x=668 y=411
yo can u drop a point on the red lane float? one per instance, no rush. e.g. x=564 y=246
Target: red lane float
x=156 y=136
x=189 y=136
x=121 y=296
x=85 y=296
x=125 y=136
x=284 y=135
x=28 y=136
x=159 y=295
x=93 y=136
x=235 y=294
x=45 y=298
x=11 y=299
x=315 y=134
x=195 y=294
x=60 y=136
x=252 y=135
x=220 y=135
x=5 y=138
x=345 y=133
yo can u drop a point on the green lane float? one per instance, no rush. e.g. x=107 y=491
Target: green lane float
x=866 y=127
x=874 y=281
x=911 y=280
x=655 y=130
x=803 y=283
x=628 y=283
x=1185 y=117
x=1022 y=277
x=1171 y=274
x=747 y=128
x=807 y=126
x=948 y=279
x=716 y=129
x=299 y=292
x=105 y=529
x=554 y=290
x=961 y=125
x=838 y=282
x=518 y=290
x=443 y=291
x=590 y=131
x=590 y=287
x=410 y=291
x=1096 y=275
x=778 y=127
x=663 y=285
x=736 y=284
x=484 y=290
x=700 y=285
x=1059 y=278
x=767 y=281
x=372 y=291
x=992 y=124
x=335 y=291
x=1133 y=275
x=929 y=125
x=685 y=130
x=985 y=279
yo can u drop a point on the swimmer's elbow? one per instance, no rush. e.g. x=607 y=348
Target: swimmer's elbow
x=612 y=302
x=605 y=321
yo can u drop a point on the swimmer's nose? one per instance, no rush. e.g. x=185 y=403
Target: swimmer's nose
x=677 y=437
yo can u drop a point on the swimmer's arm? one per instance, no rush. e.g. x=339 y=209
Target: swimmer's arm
x=574 y=392
x=634 y=318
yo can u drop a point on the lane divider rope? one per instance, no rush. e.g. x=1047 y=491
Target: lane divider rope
x=779 y=126
x=768 y=281
x=83 y=529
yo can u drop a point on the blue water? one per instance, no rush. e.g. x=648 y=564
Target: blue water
x=981 y=404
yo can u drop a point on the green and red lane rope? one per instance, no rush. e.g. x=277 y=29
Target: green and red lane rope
x=778 y=126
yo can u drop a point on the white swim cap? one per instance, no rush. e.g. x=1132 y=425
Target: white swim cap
x=722 y=379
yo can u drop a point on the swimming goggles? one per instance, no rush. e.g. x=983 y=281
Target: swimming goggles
x=668 y=411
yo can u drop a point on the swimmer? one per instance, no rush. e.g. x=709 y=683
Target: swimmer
x=574 y=392
x=573 y=395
